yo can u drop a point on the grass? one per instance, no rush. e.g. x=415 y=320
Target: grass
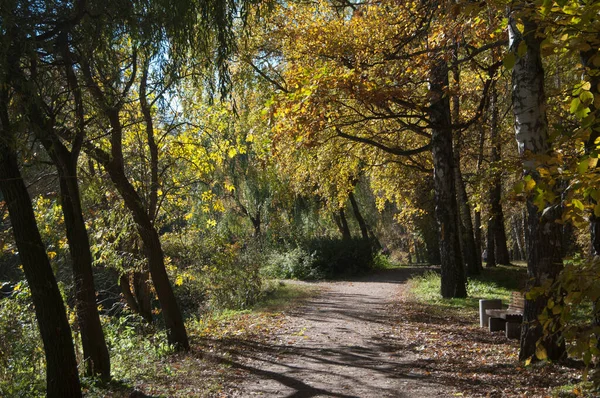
x=280 y=295
x=492 y=283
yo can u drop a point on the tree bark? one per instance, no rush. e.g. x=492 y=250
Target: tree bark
x=496 y=223
x=95 y=351
x=176 y=333
x=477 y=218
x=342 y=224
x=364 y=230
x=62 y=378
x=138 y=300
x=544 y=260
x=453 y=275
x=491 y=247
x=143 y=295
x=469 y=252
x=518 y=238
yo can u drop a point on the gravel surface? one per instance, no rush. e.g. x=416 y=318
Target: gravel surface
x=337 y=345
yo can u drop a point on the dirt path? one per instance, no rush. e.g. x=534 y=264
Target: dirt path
x=336 y=345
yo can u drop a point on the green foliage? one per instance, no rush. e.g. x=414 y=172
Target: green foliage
x=134 y=346
x=296 y=263
x=382 y=262
x=22 y=362
x=321 y=258
x=575 y=314
x=210 y=271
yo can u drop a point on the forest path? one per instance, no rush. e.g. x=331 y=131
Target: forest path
x=337 y=344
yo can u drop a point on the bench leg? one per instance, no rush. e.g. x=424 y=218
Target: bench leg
x=496 y=324
x=513 y=330
x=487 y=305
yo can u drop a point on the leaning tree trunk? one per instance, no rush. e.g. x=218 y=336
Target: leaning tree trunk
x=469 y=252
x=176 y=333
x=544 y=260
x=95 y=351
x=364 y=230
x=342 y=223
x=62 y=378
x=496 y=223
x=113 y=164
x=453 y=274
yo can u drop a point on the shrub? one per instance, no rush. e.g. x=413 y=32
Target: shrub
x=296 y=263
x=322 y=258
x=22 y=362
x=212 y=273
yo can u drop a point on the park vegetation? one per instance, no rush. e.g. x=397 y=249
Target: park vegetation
x=163 y=160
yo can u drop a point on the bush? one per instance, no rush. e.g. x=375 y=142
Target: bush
x=212 y=273
x=22 y=362
x=296 y=263
x=322 y=258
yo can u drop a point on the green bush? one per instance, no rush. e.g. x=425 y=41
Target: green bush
x=135 y=347
x=212 y=273
x=22 y=362
x=322 y=258
x=296 y=263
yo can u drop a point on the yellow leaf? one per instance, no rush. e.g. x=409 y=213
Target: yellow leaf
x=179 y=280
x=540 y=352
x=529 y=185
x=583 y=166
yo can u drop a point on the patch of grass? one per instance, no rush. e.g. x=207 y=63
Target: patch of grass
x=281 y=295
x=493 y=283
x=383 y=262
x=583 y=389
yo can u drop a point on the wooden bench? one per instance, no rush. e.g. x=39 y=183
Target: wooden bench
x=509 y=319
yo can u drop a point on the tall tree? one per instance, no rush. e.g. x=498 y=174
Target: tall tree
x=95 y=351
x=496 y=227
x=453 y=278
x=469 y=251
x=544 y=260
x=62 y=377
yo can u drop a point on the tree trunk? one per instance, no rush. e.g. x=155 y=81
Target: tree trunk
x=453 y=274
x=143 y=294
x=498 y=233
x=62 y=378
x=544 y=260
x=113 y=163
x=139 y=300
x=359 y=218
x=469 y=252
x=95 y=351
x=477 y=220
x=125 y=285
x=491 y=247
x=176 y=333
x=343 y=225
x=518 y=238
